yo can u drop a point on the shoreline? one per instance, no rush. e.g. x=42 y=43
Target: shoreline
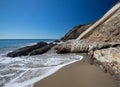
x=78 y=74
x=39 y=78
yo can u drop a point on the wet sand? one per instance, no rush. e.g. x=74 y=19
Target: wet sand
x=79 y=74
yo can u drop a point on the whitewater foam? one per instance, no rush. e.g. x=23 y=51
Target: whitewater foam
x=26 y=69
x=30 y=82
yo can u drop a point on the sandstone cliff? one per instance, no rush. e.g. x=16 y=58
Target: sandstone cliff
x=100 y=40
x=109 y=30
x=106 y=29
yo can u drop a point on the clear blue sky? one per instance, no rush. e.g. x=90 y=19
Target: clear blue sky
x=36 y=19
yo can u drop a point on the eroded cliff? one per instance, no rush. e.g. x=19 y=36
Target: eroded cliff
x=101 y=42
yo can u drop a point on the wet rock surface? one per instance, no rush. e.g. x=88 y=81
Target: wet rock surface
x=36 y=49
x=42 y=50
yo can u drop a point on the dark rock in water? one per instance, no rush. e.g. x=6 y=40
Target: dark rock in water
x=56 y=41
x=42 y=50
x=26 y=50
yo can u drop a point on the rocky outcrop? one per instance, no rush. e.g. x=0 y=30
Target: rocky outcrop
x=108 y=59
x=56 y=41
x=39 y=48
x=104 y=54
x=109 y=30
x=36 y=49
x=42 y=50
x=76 y=31
x=64 y=47
x=105 y=29
x=103 y=19
x=101 y=41
x=26 y=50
x=84 y=45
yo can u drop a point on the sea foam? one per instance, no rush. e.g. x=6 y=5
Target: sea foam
x=26 y=70
x=30 y=82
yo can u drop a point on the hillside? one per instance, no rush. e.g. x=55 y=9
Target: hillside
x=101 y=41
x=109 y=30
x=76 y=31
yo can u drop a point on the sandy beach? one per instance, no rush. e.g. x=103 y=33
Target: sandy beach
x=79 y=74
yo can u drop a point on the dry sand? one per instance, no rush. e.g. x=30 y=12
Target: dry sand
x=79 y=74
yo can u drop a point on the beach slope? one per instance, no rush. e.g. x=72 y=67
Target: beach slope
x=79 y=74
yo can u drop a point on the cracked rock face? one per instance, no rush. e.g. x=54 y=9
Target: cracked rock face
x=108 y=55
x=108 y=31
x=84 y=45
x=110 y=59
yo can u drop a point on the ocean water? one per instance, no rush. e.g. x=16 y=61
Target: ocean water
x=26 y=70
x=12 y=44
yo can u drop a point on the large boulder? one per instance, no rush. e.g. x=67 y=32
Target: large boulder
x=109 y=59
x=108 y=55
x=26 y=50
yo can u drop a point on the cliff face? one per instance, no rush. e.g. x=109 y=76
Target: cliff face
x=109 y=30
x=75 y=32
x=102 y=42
